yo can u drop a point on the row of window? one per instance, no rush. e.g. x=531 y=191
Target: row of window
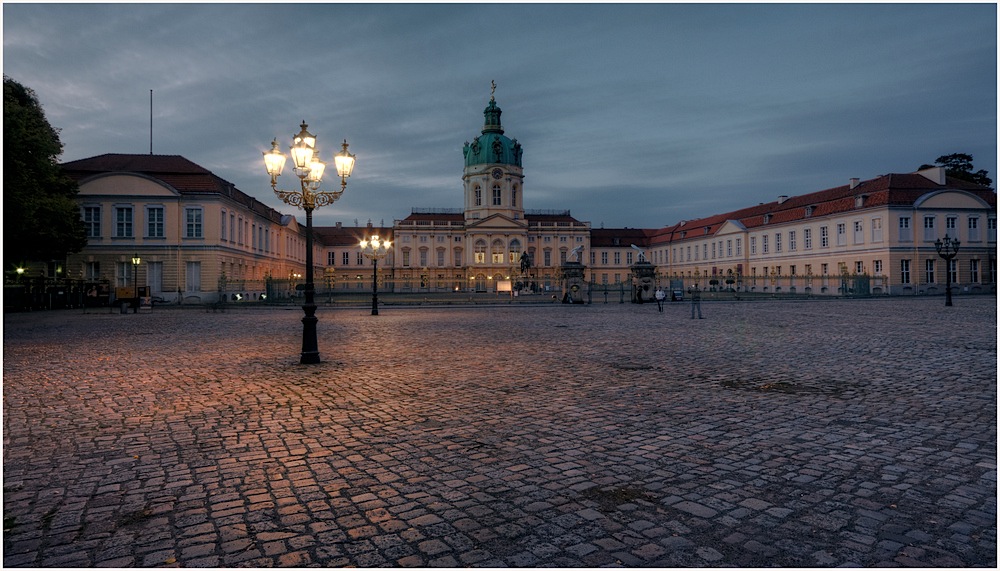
x=423 y=239
x=124 y=222
x=930 y=276
x=124 y=272
x=497 y=196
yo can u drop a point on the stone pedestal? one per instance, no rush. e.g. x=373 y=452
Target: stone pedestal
x=643 y=282
x=573 y=284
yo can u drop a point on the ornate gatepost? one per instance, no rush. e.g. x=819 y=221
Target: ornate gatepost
x=643 y=281
x=573 y=283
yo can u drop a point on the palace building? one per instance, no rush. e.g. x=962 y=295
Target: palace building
x=200 y=239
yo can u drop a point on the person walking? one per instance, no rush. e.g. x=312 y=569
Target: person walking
x=660 y=296
x=696 y=301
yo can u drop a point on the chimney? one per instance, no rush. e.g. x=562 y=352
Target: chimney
x=782 y=199
x=340 y=224
x=934 y=174
x=855 y=182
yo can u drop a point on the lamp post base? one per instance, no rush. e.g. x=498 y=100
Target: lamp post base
x=310 y=347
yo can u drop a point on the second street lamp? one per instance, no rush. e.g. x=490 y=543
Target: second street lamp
x=309 y=168
x=947 y=249
x=375 y=249
x=135 y=281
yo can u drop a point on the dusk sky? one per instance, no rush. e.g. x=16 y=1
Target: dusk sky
x=636 y=115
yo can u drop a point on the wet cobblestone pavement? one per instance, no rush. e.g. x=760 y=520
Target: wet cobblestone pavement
x=824 y=433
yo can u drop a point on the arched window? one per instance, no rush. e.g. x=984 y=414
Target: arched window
x=515 y=251
x=496 y=195
x=479 y=196
x=480 y=251
x=513 y=196
x=497 y=251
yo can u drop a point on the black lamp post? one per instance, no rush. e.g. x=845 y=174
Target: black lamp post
x=375 y=249
x=309 y=169
x=135 y=281
x=947 y=249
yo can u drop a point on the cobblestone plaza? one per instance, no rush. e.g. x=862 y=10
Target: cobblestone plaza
x=788 y=433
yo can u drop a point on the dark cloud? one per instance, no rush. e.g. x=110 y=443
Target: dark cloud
x=631 y=115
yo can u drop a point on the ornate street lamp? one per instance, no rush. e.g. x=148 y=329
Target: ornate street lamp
x=135 y=281
x=375 y=249
x=309 y=168
x=947 y=249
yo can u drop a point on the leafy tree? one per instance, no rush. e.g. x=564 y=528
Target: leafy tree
x=41 y=218
x=959 y=165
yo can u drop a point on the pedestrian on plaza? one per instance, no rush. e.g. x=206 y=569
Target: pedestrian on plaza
x=696 y=301
x=660 y=296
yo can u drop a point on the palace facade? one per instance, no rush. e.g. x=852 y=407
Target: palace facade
x=200 y=239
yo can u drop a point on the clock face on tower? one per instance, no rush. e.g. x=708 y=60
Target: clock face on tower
x=497 y=173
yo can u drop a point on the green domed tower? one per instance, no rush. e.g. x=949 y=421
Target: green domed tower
x=493 y=176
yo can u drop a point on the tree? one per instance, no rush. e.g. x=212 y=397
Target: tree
x=959 y=165
x=41 y=218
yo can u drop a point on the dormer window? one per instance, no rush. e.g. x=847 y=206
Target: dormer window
x=706 y=229
x=767 y=218
x=809 y=211
x=859 y=200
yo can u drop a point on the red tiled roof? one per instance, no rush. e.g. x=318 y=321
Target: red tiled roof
x=620 y=237
x=890 y=189
x=173 y=170
x=348 y=235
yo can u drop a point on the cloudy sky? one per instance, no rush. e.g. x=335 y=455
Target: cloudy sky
x=634 y=115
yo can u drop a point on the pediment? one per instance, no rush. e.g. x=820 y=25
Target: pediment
x=497 y=222
x=731 y=227
x=125 y=184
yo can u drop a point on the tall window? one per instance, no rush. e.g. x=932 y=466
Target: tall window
x=841 y=234
x=729 y=248
x=604 y=258
x=406 y=257
x=618 y=258
x=859 y=232
x=123 y=222
x=513 y=197
x=739 y=246
x=423 y=257
x=824 y=237
x=904 y=271
x=480 y=251
x=479 y=196
x=777 y=242
x=991 y=229
x=791 y=241
x=497 y=251
x=514 y=253
x=222 y=226
x=974 y=229
x=496 y=195
x=929 y=270
x=440 y=257
x=192 y=223
x=547 y=256
x=905 y=232
x=953 y=270
x=92 y=221
x=331 y=258
x=154 y=222
x=92 y=271
x=345 y=258
x=876 y=229
x=360 y=259
x=807 y=238
x=753 y=245
x=974 y=271
x=929 y=234
x=763 y=244
x=878 y=267
x=951 y=227
x=193 y=281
